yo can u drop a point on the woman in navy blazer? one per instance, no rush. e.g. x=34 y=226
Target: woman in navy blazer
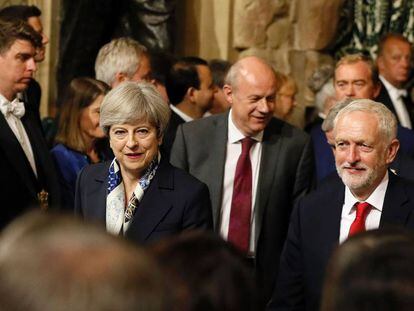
x=139 y=194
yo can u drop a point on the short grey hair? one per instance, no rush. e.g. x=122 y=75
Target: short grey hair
x=387 y=123
x=122 y=55
x=131 y=102
x=328 y=123
x=325 y=92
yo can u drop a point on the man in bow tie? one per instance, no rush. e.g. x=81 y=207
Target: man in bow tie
x=27 y=176
x=394 y=65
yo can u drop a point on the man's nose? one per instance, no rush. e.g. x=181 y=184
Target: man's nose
x=31 y=64
x=353 y=155
x=265 y=105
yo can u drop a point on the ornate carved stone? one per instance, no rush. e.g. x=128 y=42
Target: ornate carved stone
x=251 y=18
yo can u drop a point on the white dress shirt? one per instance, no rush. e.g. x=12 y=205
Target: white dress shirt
x=19 y=131
x=397 y=101
x=233 y=152
x=183 y=115
x=376 y=199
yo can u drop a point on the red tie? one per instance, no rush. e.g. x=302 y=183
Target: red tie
x=362 y=210
x=241 y=203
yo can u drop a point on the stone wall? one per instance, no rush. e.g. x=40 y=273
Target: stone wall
x=290 y=34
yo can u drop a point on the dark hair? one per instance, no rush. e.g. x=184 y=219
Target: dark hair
x=372 y=271
x=219 y=69
x=12 y=30
x=182 y=76
x=206 y=273
x=80 y=94
x=20 y=12
x=161 y=63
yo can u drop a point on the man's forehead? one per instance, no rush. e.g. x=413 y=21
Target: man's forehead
x=21 y=46
x=357 y=71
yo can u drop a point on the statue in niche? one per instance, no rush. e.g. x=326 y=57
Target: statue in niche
x=89 y=24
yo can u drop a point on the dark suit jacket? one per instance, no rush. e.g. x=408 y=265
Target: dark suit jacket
x=384 y=98
x=314 y=233
x=174 y=201
x=285 y=175
x=18 y=184
x=169 y=136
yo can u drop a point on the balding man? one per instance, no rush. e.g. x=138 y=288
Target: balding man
x=256 y=166
x=394 y=66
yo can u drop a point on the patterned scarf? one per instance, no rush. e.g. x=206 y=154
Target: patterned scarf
x=117 y=216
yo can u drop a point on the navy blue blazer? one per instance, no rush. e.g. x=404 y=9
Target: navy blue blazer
x=175 y=201
x=314 y=233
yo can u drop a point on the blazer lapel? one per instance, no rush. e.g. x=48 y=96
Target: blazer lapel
x=153 y=207
x=99 y=198
x=216 y=162
x=331 y=207
x=395 y=210
x=270 y=152
x=16 y=156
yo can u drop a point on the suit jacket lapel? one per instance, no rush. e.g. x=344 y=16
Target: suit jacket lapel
x=331 y=216
x=99 y=198
x=395 y=210
x=153 y=207
x=216 y=162
x=270 y=152
x=16 y=156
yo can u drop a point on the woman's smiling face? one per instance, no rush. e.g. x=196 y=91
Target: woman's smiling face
x=134 y=146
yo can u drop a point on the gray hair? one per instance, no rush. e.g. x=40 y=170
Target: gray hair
x=324 y=93
x=328 y=123
x=122 y=55
x=387 y=123
x=131 y=102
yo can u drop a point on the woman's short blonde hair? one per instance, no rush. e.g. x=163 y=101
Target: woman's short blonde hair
x=131 y=102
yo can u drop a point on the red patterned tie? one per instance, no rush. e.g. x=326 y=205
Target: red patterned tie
x=241 y=203
x=362 y=210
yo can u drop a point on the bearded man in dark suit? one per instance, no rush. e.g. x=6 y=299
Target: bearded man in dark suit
x=365 y=195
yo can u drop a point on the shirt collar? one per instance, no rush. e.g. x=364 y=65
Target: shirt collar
x=183 y=115
x=394 y=92
x=376 y=199
x=235 y=135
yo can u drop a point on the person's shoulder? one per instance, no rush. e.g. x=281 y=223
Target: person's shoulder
x=277 y=126
x=204 y=123
x=184 y=179
x=330 y=186
x=97 y=171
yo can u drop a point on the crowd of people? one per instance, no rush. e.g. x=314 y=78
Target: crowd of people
x=177 y=183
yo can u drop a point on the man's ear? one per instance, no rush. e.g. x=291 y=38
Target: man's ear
x=228 y=93
x=392 y=150
x=377 y=89
x=191 y=94
x=120 y=77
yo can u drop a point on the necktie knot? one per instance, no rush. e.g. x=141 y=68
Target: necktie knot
x=15 y=107
x=362 y=210
x=247 y=144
